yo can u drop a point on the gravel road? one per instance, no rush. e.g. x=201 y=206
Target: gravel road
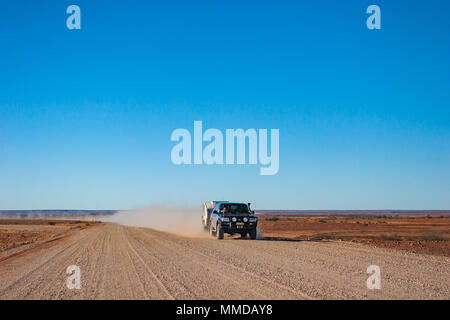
x=119 y=262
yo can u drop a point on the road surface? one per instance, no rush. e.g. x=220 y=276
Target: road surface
x=119 y=262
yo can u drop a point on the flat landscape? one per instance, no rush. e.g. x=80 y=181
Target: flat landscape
x=121 y=262
x=428 y=234
x=17 y=235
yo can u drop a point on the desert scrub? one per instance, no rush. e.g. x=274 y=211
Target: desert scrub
x=433 y=236
x=392 y=236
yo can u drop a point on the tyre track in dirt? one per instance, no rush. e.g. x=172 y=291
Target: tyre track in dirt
x=119 y=262
x=263 y=287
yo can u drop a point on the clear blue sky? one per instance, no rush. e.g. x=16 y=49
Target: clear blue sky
x=86 y=116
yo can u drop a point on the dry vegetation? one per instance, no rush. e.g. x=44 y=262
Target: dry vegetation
x=16 y=234
x=419 y=234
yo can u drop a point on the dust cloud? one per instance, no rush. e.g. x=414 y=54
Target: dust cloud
x=259 y=234
x=180 y=220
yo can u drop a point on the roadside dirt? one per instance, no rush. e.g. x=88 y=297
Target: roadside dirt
x=119 y=262
x=18 y=235
x=420 y=234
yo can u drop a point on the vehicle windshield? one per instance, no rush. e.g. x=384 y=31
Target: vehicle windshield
x=234 y=208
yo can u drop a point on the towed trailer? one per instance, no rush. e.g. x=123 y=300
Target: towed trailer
x=206 y=213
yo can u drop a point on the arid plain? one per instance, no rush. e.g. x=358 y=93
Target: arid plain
x=123 y=262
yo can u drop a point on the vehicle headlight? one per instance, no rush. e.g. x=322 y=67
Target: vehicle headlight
x=234 y=219
x=253 y=219
x=225 y=219
x=245 y=219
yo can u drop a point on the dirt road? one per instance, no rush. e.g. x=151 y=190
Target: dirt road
x=120 y=262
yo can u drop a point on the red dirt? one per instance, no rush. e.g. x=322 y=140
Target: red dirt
x=424 y=234
x=15 y=233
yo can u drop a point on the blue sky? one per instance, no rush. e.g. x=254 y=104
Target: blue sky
x=86 y=116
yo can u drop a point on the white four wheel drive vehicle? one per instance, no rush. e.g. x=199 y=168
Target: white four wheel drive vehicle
x=220 y=217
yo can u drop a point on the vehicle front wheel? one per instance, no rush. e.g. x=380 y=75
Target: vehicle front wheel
x=219 y=232
x=253 y=234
